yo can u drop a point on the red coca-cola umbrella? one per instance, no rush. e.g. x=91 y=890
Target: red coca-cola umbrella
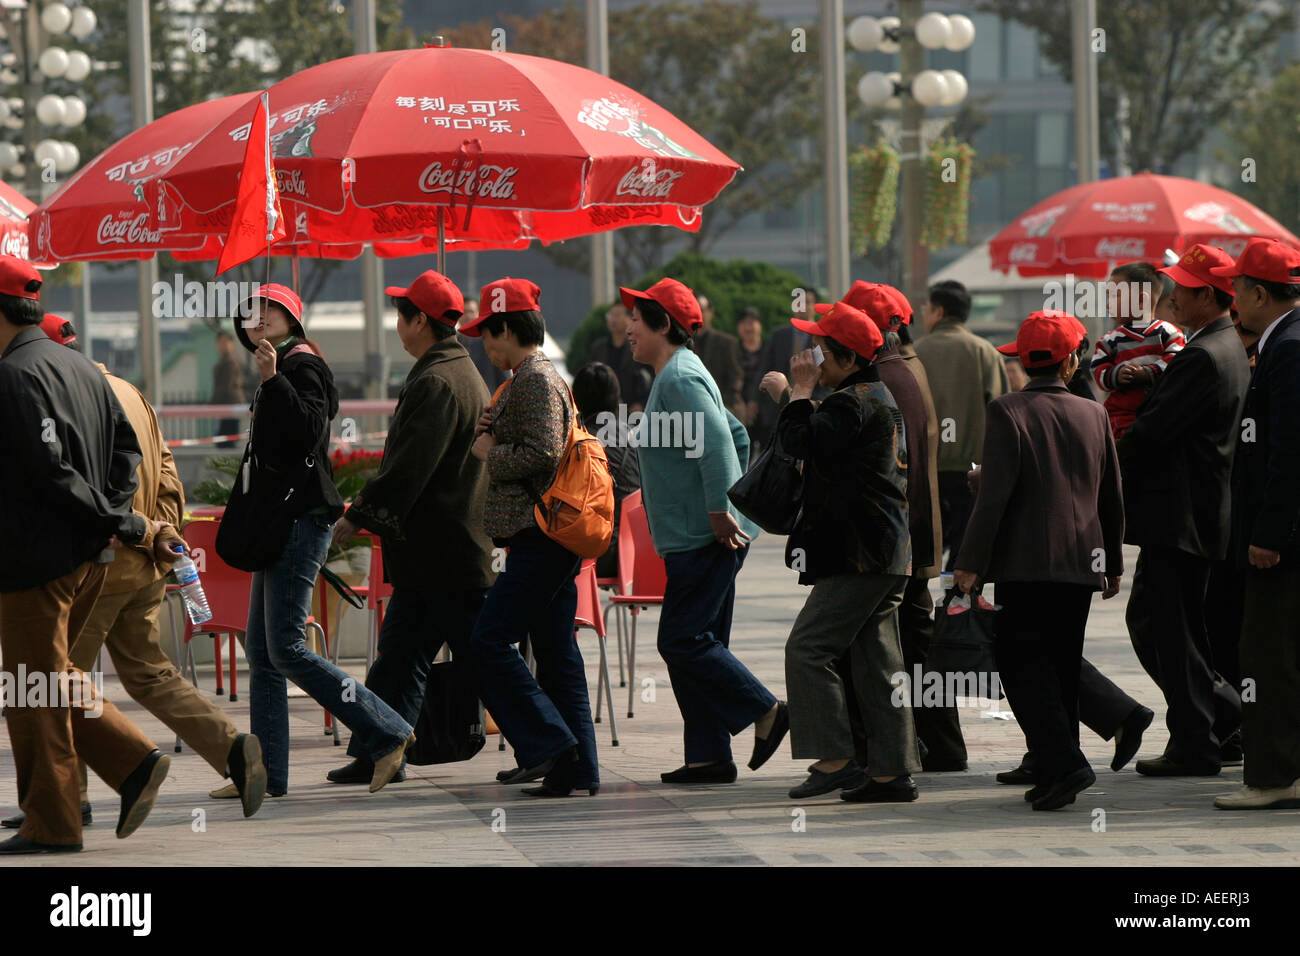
x=15 y=210
x=1087 y=228
x=382 y=146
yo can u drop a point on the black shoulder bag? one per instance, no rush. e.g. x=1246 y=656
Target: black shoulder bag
x=771 y=492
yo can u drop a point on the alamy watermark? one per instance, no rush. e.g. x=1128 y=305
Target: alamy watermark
x=57 y=689
x=652 y=430
x=924 y=688
x=181 y=299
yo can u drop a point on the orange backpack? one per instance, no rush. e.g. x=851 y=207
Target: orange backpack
x=577 y=510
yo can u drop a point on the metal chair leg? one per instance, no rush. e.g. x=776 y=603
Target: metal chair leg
x=234 y=686
x=609 y=693
x=334 y=721
x=631 y=665
x=601 y=677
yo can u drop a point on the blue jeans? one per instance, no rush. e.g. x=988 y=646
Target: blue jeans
x=717 y=695
x=536 y=596
x=277 y=612
x=416 y=625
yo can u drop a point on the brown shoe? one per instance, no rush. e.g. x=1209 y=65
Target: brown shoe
x=386 y=767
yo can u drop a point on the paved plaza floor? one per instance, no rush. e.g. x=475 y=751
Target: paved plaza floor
x=457 y=815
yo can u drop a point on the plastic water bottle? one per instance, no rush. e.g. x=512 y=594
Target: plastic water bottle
x=187 y=576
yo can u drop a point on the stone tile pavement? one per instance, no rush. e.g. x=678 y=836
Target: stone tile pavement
x=457 y=815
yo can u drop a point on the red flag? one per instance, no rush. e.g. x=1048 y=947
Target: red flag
x=258 y=221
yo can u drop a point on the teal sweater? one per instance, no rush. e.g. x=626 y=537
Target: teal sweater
x=691 y=450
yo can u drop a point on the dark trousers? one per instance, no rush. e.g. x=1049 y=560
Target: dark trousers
x=1270 y=657
x=535 y=596
x=1225 y=604
x=955 y=503
x=717 y=695
x=1103 y=707
x=1038 y=645
x=416 y=625
x=1166 y=621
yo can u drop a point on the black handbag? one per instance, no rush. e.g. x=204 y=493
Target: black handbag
x=451 y=726
x=260 y=512
x=961 y=650
x=770 y=493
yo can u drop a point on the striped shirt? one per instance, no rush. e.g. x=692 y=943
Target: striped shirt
x=1149 y=345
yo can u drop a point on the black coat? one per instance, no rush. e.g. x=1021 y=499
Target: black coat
x=854 y=510
x=1176 y=457
x=1266 y=473
x=292 y=412
x=68 y=460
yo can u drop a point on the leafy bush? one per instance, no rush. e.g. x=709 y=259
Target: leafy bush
x=729 y=286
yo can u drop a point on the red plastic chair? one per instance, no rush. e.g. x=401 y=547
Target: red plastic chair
x=644 y=575
x=588 y=615
x=376 y=591
x=227 y=591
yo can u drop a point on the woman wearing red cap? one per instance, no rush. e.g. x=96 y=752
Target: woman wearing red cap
x=1047 y=528
x=289 y=443
x=522 y=437
x=684 y=488
x=852 y=544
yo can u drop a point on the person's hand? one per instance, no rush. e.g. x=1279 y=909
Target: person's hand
x=265 y=358
x=965 y=580
x=727 y=531
x=484 y=421
x=804 y=374
x=774 y=384
x=1263 y=558
x=344 y=531
x=482 y=445
x=973 y=477
x=165 y=539
x=1112 y=587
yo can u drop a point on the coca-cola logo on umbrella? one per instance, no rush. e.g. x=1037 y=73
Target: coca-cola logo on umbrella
x=1040 y=223
x=14 y=244
x=611 y=115
x=648 y=182
x=488 y=182
x=124 y=230
x=1126 y=247
x=1216 y=215
x=1024 y=252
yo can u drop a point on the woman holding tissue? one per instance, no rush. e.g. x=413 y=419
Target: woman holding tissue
x=851 y=543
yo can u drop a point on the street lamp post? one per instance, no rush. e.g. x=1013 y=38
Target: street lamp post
x=911 y=90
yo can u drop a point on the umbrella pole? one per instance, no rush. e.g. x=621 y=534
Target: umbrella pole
x=442 y=244
x=297 y=276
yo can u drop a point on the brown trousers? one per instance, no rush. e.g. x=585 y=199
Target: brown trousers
x=37 y=627
x=127 y=624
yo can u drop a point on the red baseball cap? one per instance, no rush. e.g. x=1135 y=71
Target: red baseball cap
x=677 y=300
x=1045 y=338
x=281 y=295
x=59 y=329
x=1267 y=259
x=504 y=295
x=880 y=302
x=433 y=294
x=15 y=275
x=1193 y=270
x=850 y=327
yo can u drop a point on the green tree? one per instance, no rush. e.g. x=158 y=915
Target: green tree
x=1260 y=127
x=730 y=286
x=1182 y=63
x=724 y=69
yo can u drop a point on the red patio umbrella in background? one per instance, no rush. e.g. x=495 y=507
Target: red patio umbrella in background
x=15 y=211
x=1087 y=228
x=479 y=147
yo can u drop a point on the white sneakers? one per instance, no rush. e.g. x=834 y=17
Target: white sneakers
x=1257 y=798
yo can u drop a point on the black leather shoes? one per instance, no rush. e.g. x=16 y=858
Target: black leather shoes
x=523 y=774
x=1162 y=766
x=709 y=773
x=764 y=747
x=1128 y=738
x=247 y=772
x=1033 y=793
x=1065 y=790
x=17 y=820
x=1020 y=775
x=361 y=770
x=17 y=845
x=140 y=791
x=848 y=777
x=899 y=790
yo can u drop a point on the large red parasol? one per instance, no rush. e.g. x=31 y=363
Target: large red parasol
x=1087 y=228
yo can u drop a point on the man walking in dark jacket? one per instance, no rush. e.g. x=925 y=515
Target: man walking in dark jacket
x=1048 y=456
x=1176 y=458
x=426 y=504
x=1265 y=513
x=67 y=479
